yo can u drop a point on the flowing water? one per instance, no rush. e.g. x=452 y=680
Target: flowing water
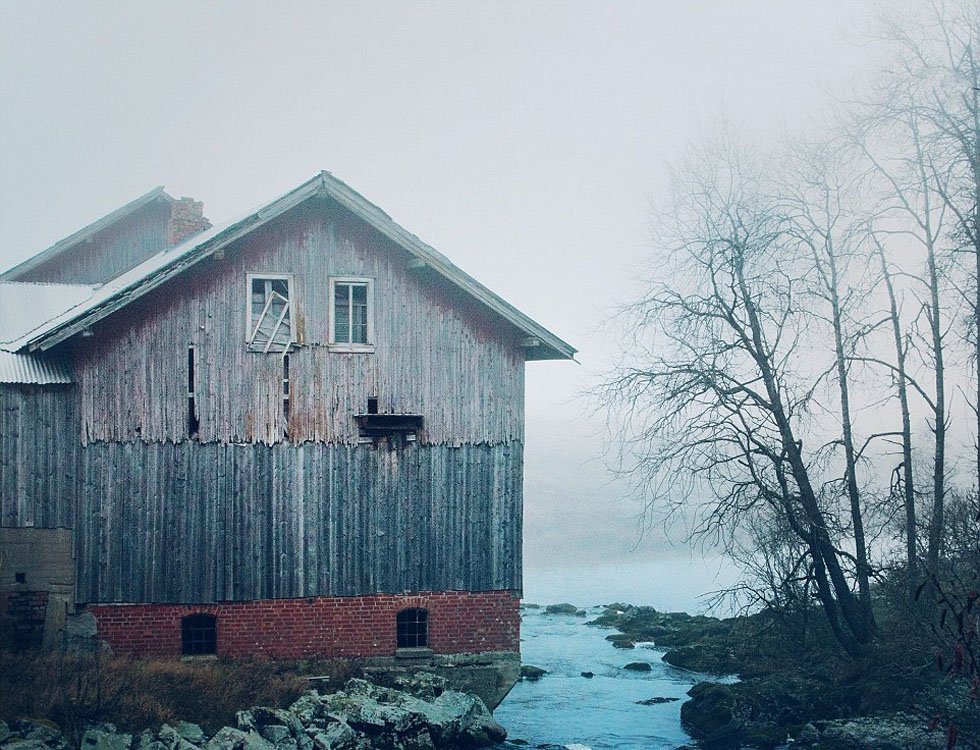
x=601 y=713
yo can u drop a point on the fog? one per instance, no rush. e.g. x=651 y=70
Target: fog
x=524 y=141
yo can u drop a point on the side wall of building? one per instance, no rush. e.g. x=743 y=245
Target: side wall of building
x=324 y=627
x=261 y=504
x=162 y=522
x=436 y=353
x=39 y=453
x=109 y=252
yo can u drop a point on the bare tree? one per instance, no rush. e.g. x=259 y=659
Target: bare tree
x=716 y=404
x=820 y=191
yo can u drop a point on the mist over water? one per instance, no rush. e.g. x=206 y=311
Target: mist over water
x=675 y=584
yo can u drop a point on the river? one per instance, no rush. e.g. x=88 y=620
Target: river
x=601 y=713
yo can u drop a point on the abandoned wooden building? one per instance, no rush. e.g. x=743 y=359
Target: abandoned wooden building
x=297 y=434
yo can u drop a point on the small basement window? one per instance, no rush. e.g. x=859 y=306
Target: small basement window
x=270 y=313
x=199 y=634
x=413 y=628
x=351 y=313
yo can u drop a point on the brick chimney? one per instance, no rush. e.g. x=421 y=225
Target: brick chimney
x=186 y=219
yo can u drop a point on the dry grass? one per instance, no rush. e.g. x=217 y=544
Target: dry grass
x=136 y=694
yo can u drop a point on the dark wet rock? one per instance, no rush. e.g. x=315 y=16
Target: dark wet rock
x=762 y=711
x=707 y=658
x=624 y=644
x=656 y=701
x=897 y=731
x=532 y=673
x=620 y=638
x=588 y=675
x=638 y=666
x=561 y=609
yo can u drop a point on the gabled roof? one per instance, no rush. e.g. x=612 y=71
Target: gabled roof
x=160 y=268
x=85 y=233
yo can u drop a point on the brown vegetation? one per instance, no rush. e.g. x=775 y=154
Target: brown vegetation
x=135 y=694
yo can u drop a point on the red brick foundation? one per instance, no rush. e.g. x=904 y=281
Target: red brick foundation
x=322 y=626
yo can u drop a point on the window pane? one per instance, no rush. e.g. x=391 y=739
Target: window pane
x=359 y=312
x=341 y=313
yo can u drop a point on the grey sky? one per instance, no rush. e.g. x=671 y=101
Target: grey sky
x=522 y=140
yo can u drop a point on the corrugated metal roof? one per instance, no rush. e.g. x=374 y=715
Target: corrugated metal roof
x=166 y=264
x=26 y=306
x=35 y=369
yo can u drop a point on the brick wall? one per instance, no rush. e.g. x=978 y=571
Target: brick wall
x=459 y=622
x=24 y=613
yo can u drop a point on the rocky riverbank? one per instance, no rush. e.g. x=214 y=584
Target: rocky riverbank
x=362 y=716
x=794 y=685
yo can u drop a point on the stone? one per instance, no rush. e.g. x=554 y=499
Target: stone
x=656 y=701
x=190 y=732
x=624 y=644
x=227 y=738
x=638 y=666
x=337 y=736
x=531 y=673
x=561 y=609
x=40 y=731
x=588 y=675
x=105 y=738
x=310 y=710
x=172 y=740
x=4 y=731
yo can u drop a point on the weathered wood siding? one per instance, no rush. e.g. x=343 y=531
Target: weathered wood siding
x=201 y=523
x=436 y=354
x=39 y=449
x=110 y=252
x=257 y=506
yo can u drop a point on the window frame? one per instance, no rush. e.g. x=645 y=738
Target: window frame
x=290 y=291
x=197 y=629
x=420 y=621
x=344 y=346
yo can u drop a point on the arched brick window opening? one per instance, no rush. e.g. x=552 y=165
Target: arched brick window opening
x=199 y=634
x=413 y=628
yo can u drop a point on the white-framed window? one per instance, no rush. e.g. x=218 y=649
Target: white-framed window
x=351 y=313
x=270 y=315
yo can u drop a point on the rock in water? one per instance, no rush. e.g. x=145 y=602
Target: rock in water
x=588 y=675
x=532 y=673
x=562 y=609
x=638 y=666
x=656 y=701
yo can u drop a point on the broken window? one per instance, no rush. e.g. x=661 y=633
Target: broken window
x=413 y=628
x=270 y=313
x=199 y=634
x=351 y=313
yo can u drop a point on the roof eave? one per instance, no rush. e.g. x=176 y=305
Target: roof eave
x=548 y=346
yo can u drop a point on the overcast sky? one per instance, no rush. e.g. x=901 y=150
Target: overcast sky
x=525 y=141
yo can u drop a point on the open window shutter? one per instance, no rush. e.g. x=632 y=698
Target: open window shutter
x=272 y=332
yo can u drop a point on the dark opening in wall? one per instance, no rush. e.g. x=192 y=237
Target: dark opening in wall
x=285 y=392
x=372 y=405
x=413 y=628
x=199 y=634
x=193 y=423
